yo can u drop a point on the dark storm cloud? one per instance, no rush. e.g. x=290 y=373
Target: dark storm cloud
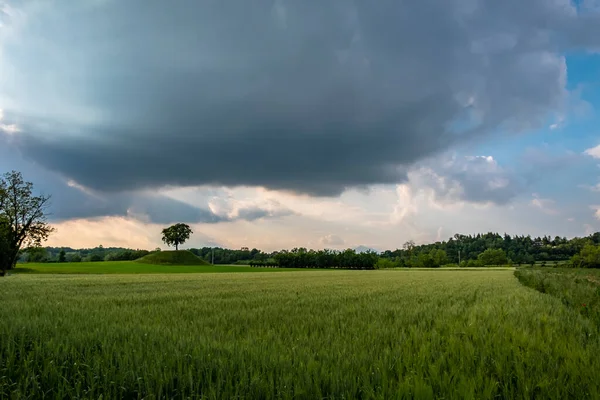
x=253 y=213
x=68 y=204
x=71 y=201
x=307 y=96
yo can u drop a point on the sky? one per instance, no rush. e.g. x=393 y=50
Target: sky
x=322 y=124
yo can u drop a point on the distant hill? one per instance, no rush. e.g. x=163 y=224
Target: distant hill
x=179 y=257
x=364 y=249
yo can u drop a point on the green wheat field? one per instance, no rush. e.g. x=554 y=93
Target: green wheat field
x=301 y=335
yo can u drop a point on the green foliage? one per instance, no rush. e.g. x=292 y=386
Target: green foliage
x=176 y=234
x=471 y=264
x=578 y=289
x=126 y=255
x=493 y=257
x=321 y=334
x=589 y=257
x=73 y=258
x=386 y=263
x=37 y=254
x=177 y=257
x=62 y=256
x=132 y=267
x=95 y=258
x=347 y=259
x=518 y=249
x=22 y=216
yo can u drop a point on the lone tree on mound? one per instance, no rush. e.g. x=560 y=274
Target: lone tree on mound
x=176 y=234
x=22 y=218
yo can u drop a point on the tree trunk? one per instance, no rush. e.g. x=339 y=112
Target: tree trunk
x=176 y=246
x=12 y=261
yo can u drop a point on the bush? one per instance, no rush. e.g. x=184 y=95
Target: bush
x=493 y=257
x=385 y=263
x=73 y=257
x=588 y=257
x=471 y=264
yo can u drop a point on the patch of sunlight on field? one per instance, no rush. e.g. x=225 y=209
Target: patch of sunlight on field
x=335 y=334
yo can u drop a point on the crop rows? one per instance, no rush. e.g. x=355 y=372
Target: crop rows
x=338 y=334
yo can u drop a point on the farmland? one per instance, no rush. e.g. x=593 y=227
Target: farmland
x=309 y=334
x=577 y=288
x=130 y=267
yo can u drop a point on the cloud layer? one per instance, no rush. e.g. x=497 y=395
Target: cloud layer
x=307 y=96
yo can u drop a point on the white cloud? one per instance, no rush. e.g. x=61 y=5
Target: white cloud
x=593 y=152
x=591 y=188
x=596 y=209
x=545 y=205
x=9 y=129
x=560 y=122
x=331 y=240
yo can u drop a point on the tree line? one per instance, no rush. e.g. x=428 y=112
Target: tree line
x=459 y=251
x=67 y=254
x=466 y=250
x=304 y=258
x=23 y=228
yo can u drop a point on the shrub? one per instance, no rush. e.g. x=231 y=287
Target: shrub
x=493 y=257
x=384 y=263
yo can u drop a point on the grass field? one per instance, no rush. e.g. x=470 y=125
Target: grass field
x=131 y=267
x=326 y=334
x=177 y=257
x=578 y=289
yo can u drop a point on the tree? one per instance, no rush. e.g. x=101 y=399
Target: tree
x=73 y=257
x=493 y=257
x=176 y=234
x=62 y=256
x=37 y=255
x=588 y=257
x=96 y=258
x=5 y=236
x=408 y=247
x=22 y=218
x=440 y=257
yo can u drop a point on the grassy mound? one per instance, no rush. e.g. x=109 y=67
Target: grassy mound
x=179 y=257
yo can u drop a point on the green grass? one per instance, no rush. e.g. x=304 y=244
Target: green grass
x=130 y=267
x=507 y=268
x=174 y=257
x=325 y=334
x=578 y=289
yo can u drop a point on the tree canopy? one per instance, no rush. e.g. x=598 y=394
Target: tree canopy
x=22 y=218
x=588 y=257
x=493 y=257
x=176 y=234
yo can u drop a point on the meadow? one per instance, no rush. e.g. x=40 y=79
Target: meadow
x=577 y=288
x=309 y=334
x=131 y=267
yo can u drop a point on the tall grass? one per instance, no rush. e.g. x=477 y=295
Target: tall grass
x=578 y=289
x=131 y=267
x=343 y=334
